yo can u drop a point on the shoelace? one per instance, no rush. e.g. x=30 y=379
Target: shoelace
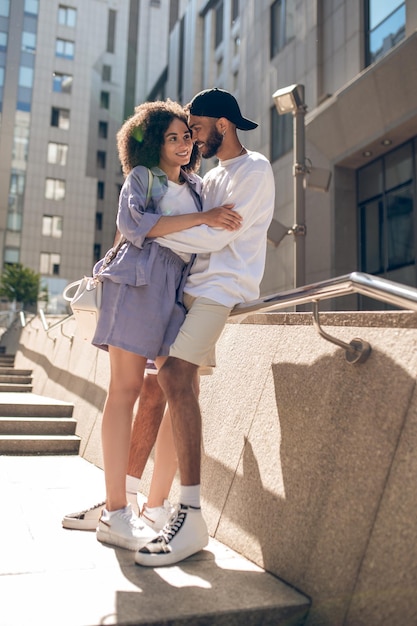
x=173 y=526
x=131 y=518
x=96 y=506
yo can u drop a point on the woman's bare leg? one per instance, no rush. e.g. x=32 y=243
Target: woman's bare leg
x=126 y=376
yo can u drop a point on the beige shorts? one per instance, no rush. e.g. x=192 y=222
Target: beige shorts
x=200 y=331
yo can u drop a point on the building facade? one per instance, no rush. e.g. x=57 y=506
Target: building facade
x=356 y=61
x=71 y=72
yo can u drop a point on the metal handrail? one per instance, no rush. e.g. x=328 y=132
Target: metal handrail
x=358 y=350
x=356 y=282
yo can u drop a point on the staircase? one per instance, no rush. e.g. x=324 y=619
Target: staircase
x=32 y=424
x=12 y=379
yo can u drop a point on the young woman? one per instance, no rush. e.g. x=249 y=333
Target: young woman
x=142 y=308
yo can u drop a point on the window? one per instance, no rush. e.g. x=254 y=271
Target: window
x=281 y=134
x=219 y=67
x=218 y=33
x=32 y=7
x=111 y=30
x=385 y=27
x=3 y=41
x=54 y=189
x=61 y=83
x=14 y=221
x=15 y=202
x=28 y=42
x=99 y=221
x=67 y=16
x=97 y=252
x=104 y=100
x=235 y=11
x=20 y=144
x=386 y=216
x=11 y=255
x=100 y=190
x=17 y=184
x=64 y=49
x=101 y=159
x=4 y=8
x=180 y=70
x=24 y=92
x=57 y=153
x=282 y=24
x=25 y=77
x=52 y=226
x=49 y=263
x=60 y=118
x=106 y=73
x=103 y=129
x=236 y=48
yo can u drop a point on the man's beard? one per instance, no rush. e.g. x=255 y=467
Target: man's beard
x=212 y=144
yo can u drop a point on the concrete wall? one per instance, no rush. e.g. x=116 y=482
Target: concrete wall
x=309 y=467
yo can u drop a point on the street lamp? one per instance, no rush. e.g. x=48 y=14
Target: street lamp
x=291 y=100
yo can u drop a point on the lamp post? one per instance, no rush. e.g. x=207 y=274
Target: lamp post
x=291 y=100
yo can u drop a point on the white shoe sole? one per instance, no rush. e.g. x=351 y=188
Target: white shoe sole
x=169 y=558
x=122 y=542
x=80 y=524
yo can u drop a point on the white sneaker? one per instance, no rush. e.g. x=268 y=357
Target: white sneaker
x=184 y=535
x=84 y=520
x=157 y=516
x=124 y=529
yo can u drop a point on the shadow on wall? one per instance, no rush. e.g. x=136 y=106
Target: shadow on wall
x=78 y=385
x=320 y=488
x=340 y=530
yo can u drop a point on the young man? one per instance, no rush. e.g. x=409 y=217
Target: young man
x=228 y=270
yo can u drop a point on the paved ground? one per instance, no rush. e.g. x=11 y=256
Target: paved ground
x=56 y=577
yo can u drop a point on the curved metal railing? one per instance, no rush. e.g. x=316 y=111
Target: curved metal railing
x=358 y=350
x=356 y=282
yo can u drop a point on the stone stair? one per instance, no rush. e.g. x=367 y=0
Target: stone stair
x=32 y=424
x=12 y=379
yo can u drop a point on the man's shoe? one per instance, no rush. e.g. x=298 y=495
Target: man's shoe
x=184 y=535
x=124 y=529
x=158 y=516
x=84 y=520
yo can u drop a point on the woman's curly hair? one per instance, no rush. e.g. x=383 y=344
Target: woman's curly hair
x=141 y=137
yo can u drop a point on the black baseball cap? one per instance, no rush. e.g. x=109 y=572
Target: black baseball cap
x=219 y=103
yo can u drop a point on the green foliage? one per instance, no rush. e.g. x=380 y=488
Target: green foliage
x=20 y=283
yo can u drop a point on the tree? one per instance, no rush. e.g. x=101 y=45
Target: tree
x=20 y=283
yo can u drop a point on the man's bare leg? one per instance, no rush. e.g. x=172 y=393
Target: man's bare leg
x=146 y=425
x=186 y=532
x=178 y=381
x=165 y=464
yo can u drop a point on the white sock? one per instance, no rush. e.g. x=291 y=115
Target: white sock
x=111 y=513
x=132 y=484
x=190 y=494
x=149 y=509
